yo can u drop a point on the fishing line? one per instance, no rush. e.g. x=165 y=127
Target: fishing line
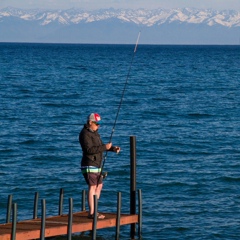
x=121 y=100
x=125 y=85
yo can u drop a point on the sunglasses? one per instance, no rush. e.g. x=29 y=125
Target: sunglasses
x=96 y=123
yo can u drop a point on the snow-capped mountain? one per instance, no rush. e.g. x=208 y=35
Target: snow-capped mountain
x=117 y=26
x=140 y=16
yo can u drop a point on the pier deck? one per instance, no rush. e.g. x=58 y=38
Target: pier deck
x=58 y=225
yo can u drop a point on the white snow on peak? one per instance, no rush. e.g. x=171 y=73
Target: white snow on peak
x=141 y=16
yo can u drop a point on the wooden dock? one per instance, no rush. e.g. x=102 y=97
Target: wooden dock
x=58 y=225
x=78 y=222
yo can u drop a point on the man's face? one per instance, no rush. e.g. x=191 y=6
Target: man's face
x=93 y=125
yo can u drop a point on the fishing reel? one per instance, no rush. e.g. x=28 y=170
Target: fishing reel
x=104 y=175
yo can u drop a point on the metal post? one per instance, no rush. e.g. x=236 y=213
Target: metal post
x=14 y=222
x=94 y=230
x=140 y=213
x=9 y=208
x=70 y=219
x=119 y=204
x=83 y=200
x=43 y=220
x=35 y=207
x=133 y=182
x=60 y=208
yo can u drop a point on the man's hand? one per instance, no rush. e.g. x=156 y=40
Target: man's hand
x=116 y=149
x=108 y=146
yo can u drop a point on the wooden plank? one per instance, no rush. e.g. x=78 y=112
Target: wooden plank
x=57 y=225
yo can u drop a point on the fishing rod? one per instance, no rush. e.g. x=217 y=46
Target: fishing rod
x=120 y=103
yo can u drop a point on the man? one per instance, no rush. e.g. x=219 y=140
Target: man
x=93 y=148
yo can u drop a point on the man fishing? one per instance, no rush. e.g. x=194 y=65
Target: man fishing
x=93 y=148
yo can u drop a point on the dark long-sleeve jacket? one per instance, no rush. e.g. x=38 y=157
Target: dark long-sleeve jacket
x=92 y=147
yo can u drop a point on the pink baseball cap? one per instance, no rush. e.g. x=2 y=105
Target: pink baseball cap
x=94 y=117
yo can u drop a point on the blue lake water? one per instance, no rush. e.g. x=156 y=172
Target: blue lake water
x=181 y=102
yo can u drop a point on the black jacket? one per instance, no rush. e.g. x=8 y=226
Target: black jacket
x=92 y=147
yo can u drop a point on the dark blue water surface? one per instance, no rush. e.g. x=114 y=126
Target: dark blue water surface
x=181 y=102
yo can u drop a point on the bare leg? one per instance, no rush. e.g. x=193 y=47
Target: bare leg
x=93 y=190
x=98 y=190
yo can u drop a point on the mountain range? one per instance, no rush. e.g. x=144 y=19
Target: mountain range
x=120 y=26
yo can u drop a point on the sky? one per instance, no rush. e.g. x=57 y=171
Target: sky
x=133 y=4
